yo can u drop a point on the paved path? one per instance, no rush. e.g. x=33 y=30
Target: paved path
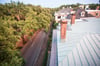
x=33 y=51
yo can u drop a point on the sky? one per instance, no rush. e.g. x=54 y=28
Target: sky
x=52 y=3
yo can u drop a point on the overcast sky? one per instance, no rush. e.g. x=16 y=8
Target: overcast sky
x=52 y=3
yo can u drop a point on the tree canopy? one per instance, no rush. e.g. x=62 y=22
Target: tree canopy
x=17 y=20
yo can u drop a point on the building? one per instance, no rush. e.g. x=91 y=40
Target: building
x=62 y=14
x=81 y=12
x=81 y=46
x=76 y=43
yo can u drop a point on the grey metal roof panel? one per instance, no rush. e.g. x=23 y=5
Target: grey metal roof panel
x=82 y=45
x=86 y=53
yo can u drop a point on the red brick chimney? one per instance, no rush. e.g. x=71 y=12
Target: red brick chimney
x=97 y=8
x=73 y=19
x=63 y=29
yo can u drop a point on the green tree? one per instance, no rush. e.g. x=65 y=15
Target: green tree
x=9 y=55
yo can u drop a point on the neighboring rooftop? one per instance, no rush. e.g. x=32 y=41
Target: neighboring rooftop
x=64 y=10
x=81 y=46
x=82 y=11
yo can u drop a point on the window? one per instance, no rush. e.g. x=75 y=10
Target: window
x=59 y=17
x=83 y=14
x=97 y=14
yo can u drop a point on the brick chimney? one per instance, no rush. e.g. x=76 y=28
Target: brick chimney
x=97 y=8
x=63 y=28
x=73 y=18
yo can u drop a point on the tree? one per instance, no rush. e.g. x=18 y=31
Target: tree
x=9 y=55
x=11 y=30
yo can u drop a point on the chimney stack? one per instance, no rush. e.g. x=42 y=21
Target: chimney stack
x=97 y=8
x=73 y=17
x=63 y=28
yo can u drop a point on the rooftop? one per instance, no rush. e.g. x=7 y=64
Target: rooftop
x=64 y=10
x=81 y=47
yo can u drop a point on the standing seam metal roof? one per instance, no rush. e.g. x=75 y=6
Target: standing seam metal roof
x=81 y=47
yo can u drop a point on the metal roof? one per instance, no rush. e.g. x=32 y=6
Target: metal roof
x=82 y=45
x=85 y=53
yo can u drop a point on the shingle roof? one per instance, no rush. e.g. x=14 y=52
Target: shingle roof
x=65 y=10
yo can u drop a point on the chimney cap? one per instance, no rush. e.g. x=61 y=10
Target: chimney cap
x=73 y=12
